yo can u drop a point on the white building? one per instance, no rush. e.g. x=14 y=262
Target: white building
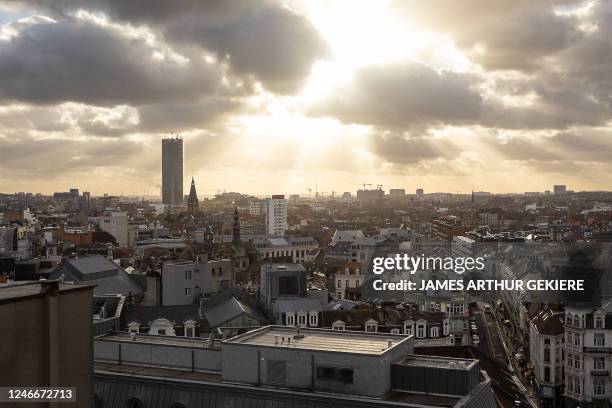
x=348 y=279
x=256 y=207
x=276 y=215
x=588 y=344
x=116 y=224
x=547 y=355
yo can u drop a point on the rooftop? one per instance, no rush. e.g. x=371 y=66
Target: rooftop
x=156 y=339
x=319 y=340
x=18 y=290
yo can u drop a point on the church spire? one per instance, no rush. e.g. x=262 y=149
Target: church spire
x=193 y=204
x=236 y=227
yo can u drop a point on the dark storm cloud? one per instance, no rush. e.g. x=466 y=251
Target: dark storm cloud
x=580 y=145
x=25 y=157
x=404 y=95
x=74 y=61
x=259 y=38
x=406 y=149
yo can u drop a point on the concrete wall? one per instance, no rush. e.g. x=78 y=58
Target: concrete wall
x=46 y=341
x=136 y=353
x=371 y=374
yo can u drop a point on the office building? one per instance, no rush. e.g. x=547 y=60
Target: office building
x=559 y=189
x=276 y=215
x=172 y=171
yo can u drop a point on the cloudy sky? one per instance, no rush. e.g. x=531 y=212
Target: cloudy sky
x=269 y=96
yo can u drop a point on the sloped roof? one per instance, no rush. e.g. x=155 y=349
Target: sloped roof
x=298 y=305
x=177 y=314
x=229 y=310
x=549 y=323
x=108 y=277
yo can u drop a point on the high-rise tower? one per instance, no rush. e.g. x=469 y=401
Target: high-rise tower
x=172 y=171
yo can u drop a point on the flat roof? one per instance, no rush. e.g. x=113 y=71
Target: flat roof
x=157 y=339
x=416 y=360
x=12 y=291
x=319 y=340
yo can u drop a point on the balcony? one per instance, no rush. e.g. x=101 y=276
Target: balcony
x=600 y=373
x=607 y=350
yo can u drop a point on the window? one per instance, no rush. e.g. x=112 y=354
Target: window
x=577 y=362
x=277 y=372
x=570 y=383
x=576 y=339
x=339 y=284
x=599 y=322
x=187 y=291
x=546 y=374
x=290 y=319
x=188 y=331
x=313 y=319
x=599 y=363
x=395 y=331
x=420 y=331
x=187 y=275
x=577 y=385
x=288 y=285
x=346 y=283
x=408 y=329
x=568 y=320
x=161 y=331
x=357 y=283
x=547 y=342
x=302 y=319
x=335 y=374
x=435 y=332
x=599 y=387
x=136 y=402
x=547 y=355
x=338 y=325
x=371 y=327
x=599 y=339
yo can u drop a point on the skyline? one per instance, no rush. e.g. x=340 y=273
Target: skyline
x=283 y=96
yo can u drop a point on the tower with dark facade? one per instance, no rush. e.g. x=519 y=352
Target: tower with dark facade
x=236 y=227
x=193 y=204
x=172 y=171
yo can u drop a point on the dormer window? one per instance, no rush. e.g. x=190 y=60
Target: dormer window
x=189 y=328
x=371 y=326
x=599 y=322
x=313 y=319
x=339 y=325
x=290 y=319
x=133 y=327
x=421 y=331
x=408 y=327
x=395 y=331
x=434 y=332
x=301 y=319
